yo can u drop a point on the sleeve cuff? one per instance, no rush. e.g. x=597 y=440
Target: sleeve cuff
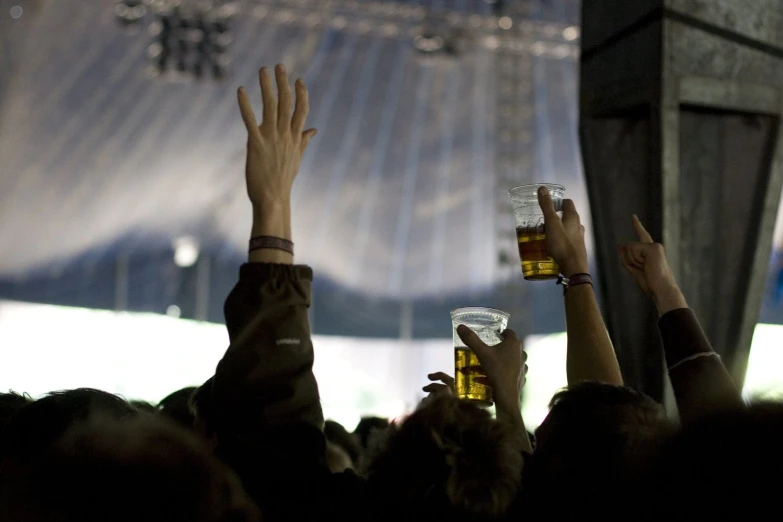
x=263 y=271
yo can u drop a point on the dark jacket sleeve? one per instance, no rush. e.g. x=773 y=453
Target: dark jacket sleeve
x=269 y=420
x=701 y=385
x=265 y=378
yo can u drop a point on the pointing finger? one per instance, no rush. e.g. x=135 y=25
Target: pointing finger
x=641 y=232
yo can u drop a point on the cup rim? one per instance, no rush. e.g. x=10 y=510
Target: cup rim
x=469 y=309
x=526 y=186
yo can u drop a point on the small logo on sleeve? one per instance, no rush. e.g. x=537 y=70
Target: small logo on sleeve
x=288 y=342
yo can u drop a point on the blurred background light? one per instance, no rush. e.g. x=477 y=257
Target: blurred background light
x=186 y=251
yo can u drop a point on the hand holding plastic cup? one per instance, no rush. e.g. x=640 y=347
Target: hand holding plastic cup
x=534 y=259
x=469 y=378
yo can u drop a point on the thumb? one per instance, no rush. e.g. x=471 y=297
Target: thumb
x=547 y=206
x=472 y=341
x=306 y=137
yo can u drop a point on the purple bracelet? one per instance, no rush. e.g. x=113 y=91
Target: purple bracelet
x=574 y=280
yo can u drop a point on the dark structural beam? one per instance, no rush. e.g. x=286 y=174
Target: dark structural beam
x=681 y=103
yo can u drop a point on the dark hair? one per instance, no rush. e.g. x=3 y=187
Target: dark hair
x=596 y=439
x=176 y=406
x=144 y=406
x=10 y=403
x=42 y=422
x=339 y=436
x=448 y=461
x=201 y=407
x=367 y=427
x=143 y=468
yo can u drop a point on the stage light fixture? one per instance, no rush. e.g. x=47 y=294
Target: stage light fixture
x=428 y=43
x=130 y=13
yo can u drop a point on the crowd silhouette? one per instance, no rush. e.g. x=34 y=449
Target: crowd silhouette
x=252 y=444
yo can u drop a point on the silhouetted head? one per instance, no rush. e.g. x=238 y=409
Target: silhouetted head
x=176 y=407
x=340 y=437
x=367 y=427
x=725 y=467
x=10 y=403
x=136 y=469
x=144 y=407
x=42 y=422
x=202 y=410
x=447 y=461
x=596 y=438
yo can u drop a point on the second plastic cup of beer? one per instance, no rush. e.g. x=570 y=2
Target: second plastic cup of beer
x=470 y=380
x=536 y=262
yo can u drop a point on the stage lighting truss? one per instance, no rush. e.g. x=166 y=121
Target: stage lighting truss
x=431 y=31
x=190 y=39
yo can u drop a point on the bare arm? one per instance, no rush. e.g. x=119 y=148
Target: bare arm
x=590 y=355
x=274 y=154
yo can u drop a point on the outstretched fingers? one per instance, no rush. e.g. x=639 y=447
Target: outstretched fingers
x=286 y=101
x=302 y=108
x=268 y=97
x=246 y=109
x=445 y=378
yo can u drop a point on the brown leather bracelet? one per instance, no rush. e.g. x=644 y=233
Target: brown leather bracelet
x=271 y=243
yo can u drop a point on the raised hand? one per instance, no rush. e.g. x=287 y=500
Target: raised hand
x=442 y=385
x=445 y=386
x=275 y=148
x=565 y=238
x=646 y=261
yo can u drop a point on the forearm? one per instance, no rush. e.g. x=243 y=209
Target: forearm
x=590 y=354
x=668 y=299
x=700 y=381
x=508 y=411
x=272 y=219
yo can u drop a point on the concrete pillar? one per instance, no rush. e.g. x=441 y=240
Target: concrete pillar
x=681 y=103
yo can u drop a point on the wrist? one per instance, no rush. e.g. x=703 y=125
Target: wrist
x=272 y=219
x=573 y=268
x=507 y=403
x=668 y=298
